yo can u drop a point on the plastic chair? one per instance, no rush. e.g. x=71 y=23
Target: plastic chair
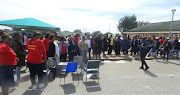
x=92 y=68
x=79 y=59
x=71 y=67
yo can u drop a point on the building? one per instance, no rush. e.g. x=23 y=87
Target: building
x=161 y=29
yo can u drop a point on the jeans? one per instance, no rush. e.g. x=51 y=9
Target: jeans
x=89 y=50
x=35 y=69
x=155 y=54
x=174 y=50
x=165 y=55
x=110 y=49
x=18 y=72
x=7 y=76
x=84 y=54
x=150 y=51
x=142 y=55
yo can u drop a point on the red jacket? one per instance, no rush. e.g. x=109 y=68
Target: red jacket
x=35 y=51
x=46 y=43
x=7 y=55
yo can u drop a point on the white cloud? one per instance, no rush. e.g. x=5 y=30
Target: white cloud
x=90 y=14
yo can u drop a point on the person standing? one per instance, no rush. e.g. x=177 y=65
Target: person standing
x=8 y=60
x=89 y=45
x=19 y=49
x=63 y=49
x=105 y=43
x=111 y=44
x=83 y=46
x=125 y=46
x=156 y=47
x=134 y=46
x=76 y=41
x=71 y=49
x=36 y=49
x=117 y=46
x=52 y=49
x=167 y=47
x=98 y=44
x=176 y=49
x=143 y=52
x=46 y=44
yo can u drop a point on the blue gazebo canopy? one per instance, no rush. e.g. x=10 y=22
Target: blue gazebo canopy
x=29 y=23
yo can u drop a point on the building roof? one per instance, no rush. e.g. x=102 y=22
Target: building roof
x=161 y=26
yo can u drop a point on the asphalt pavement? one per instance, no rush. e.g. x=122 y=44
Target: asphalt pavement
x=119 y=77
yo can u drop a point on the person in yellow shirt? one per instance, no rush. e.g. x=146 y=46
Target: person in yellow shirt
x=111 y=44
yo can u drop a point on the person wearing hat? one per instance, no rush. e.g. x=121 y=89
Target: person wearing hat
x=143 y=52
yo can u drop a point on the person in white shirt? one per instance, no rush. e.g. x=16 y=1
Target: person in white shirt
x=89 y=46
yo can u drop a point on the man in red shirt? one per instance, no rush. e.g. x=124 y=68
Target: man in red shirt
x=7 y=62
x=46 y=44
x=35 y=63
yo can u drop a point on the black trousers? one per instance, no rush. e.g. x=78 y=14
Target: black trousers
x=63 y=57
x=143 y=55
x=110 y=49
x=35 y=69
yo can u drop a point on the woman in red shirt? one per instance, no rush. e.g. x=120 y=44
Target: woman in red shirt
x=35 y=49
x=7 y=62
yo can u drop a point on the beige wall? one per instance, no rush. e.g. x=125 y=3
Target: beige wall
x=156 y=34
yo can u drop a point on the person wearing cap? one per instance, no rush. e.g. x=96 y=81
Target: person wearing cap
x=35 y=63
x=143 y=52
x=71 y=49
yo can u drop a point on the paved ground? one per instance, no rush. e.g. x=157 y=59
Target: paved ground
x=116 y=78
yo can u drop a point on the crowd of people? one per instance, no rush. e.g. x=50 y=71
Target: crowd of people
x=13 y=52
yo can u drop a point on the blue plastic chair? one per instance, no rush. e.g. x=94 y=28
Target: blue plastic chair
x=71 y=67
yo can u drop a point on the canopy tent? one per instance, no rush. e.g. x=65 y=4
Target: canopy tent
x=29 y=23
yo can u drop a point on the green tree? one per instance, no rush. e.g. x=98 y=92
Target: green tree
x=95 y=33
x=127 y=23
x=141 y=23
x=107 y=33
x=77 y=31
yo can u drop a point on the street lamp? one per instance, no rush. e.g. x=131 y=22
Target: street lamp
x=173 y=11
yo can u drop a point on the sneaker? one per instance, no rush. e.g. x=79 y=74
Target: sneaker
x=147 y=68
x=147 y=57
x=166 y=61
x=155 y=59
x=41 y=85
x=34 y=87
x=141 y=68
x=11 y=88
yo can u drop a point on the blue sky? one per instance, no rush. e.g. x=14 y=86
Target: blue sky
x=91 y=15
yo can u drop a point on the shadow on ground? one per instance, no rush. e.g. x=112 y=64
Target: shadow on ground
x=92 y=86
x=150 y=73
x=68 y=88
